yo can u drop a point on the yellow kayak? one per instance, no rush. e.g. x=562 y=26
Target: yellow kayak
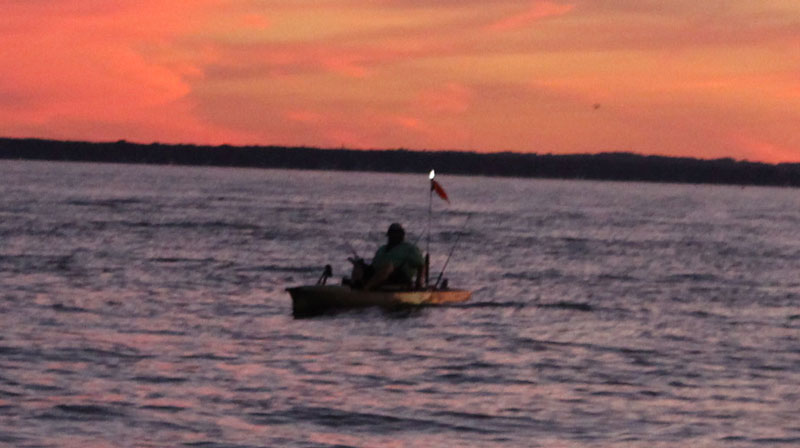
x=310 y=300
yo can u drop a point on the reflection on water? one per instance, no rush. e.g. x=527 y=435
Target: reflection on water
x=145 y=306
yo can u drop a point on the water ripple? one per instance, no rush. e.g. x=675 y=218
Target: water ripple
x=146 y=305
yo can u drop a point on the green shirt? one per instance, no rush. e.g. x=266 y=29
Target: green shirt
x=404 y=256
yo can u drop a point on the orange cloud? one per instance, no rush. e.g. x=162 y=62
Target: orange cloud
x=677 y=77
x=451 y=98
x=348 y=65
x=303 y=116
x=256 y=21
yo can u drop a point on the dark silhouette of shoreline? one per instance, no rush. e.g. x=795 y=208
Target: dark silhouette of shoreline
x=618 y=166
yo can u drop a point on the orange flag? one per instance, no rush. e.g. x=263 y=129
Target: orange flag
x=439 y=190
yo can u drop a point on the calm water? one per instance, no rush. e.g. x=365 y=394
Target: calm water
x=145 y=306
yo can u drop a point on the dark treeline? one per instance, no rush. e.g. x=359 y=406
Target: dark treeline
x=606 y=166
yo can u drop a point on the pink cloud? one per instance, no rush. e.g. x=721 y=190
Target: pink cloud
x=756 y=147
x=539 y=10
x=409 y=122
x=87 y=67
x=352 y=60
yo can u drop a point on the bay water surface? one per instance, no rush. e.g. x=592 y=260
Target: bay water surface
x=145 y=306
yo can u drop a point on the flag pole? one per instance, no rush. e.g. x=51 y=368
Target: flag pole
x=428 y=244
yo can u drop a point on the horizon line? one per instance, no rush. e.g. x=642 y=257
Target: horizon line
x=415 y=150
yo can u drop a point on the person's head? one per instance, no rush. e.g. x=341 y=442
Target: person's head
x=396 y=234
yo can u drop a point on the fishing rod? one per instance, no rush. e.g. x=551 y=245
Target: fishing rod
x=458 y=238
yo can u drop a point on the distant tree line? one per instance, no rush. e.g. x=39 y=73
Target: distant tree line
x=619 y=166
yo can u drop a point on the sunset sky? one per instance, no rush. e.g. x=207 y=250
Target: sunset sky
x=710 y=78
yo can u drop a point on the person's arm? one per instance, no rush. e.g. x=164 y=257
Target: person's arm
x=381 y=274
x=419 y=261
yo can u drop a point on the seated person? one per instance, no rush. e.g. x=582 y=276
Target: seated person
x=395 y=264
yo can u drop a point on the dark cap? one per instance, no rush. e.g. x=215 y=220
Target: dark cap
x=396 y=228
